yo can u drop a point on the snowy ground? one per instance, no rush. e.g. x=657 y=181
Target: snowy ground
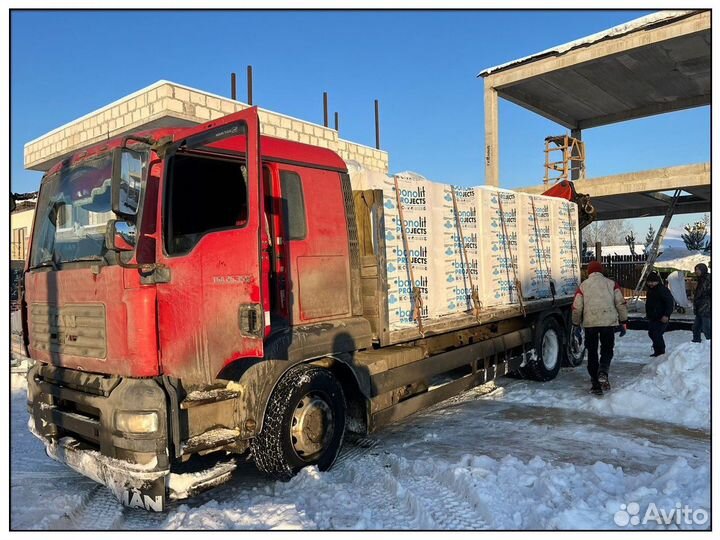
x=521 y=456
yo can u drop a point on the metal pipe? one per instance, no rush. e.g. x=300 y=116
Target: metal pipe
x=250 y=85
x=337 y=121
x=233 y=87
x=325 y=109
x=377 y=124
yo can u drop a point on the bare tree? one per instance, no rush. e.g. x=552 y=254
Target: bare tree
x=630 y=241
x=609 y=233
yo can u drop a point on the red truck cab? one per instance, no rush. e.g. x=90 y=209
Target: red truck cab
x=164 y=265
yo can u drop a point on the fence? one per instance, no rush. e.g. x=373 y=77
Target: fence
x=624 y=269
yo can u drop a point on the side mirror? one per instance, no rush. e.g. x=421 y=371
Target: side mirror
x=127 y=172
x=119 y=236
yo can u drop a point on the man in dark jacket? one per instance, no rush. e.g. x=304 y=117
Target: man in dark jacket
x=659 y=305
x=702 y=304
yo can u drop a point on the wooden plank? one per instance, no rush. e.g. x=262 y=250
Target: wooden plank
x=378 y=221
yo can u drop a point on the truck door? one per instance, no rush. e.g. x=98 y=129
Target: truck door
x=212 y=309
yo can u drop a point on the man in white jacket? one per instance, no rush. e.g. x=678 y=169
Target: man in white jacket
x=599 y=306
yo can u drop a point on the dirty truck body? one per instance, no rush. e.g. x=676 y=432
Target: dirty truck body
x=197 y=294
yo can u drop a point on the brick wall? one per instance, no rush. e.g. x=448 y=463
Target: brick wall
x=166 y=103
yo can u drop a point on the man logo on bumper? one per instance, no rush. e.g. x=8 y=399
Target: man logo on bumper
x=133 y=498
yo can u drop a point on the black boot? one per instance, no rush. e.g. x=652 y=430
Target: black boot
x=596 y=389
x=603 y=381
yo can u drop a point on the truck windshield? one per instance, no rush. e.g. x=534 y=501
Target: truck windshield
x=73 y=209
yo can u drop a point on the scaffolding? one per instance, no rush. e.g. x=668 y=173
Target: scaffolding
x=569 y=164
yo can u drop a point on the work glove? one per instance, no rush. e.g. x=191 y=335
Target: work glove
x=577 y=333
x=622 y=329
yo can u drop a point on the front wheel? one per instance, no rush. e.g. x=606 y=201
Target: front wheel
x=544 y=365
x=304 y=423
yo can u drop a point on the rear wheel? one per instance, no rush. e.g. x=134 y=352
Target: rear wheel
x=575 y=350
x=304 y=423
x=544 y=365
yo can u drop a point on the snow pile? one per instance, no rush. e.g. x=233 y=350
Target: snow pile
x=674 y=388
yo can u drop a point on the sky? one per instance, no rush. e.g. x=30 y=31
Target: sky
x=421 y=65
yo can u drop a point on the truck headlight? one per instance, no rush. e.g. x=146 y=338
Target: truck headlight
x=136 y=422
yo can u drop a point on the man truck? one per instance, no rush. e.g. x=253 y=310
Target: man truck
x=192 y=295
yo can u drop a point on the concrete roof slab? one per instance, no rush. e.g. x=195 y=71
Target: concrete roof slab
x=656 y=64
x=641 y=194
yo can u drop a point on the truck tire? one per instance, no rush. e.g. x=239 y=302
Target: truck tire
x=544 y=365
x=575 y=350
x=304 y=423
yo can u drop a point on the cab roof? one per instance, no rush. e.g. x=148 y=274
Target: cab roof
x=271 y=149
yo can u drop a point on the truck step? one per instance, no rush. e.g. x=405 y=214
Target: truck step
x=214 y=438
x=203 y=397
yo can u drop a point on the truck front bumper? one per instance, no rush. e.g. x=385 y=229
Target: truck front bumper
x=73 y=414
x=134 y=486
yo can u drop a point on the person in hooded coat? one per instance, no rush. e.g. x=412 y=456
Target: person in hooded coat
x=702 y=304
x=659 y=305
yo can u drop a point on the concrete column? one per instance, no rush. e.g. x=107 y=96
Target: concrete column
x=575 y=174
x=492 y=143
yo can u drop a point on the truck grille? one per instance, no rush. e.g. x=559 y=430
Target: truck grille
x=72 y=329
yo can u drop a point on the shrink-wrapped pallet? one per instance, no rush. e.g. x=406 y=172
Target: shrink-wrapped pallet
x=461 y=268
x=498 y=230
x=507 y=237
x=535 y=253
x=566 y=247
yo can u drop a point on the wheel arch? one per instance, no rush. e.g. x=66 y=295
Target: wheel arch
x=262 y=376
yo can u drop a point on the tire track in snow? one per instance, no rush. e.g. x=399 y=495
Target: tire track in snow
x=394 y=495
x=98 y=510
x=371 y=480
x=134 y=518
x=355 y=448
x=445 y=508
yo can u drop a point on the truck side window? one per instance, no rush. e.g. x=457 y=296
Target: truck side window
x=203 y=195
x=293 y=206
